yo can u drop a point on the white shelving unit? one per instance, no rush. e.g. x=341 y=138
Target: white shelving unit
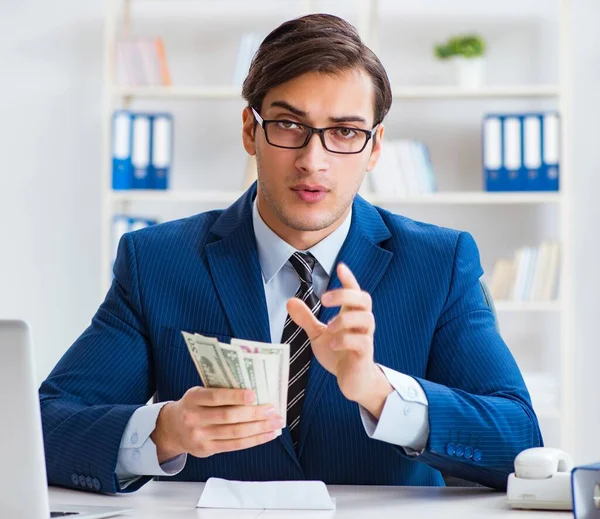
x=119 y=16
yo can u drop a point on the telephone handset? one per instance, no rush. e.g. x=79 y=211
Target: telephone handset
x=542 y=480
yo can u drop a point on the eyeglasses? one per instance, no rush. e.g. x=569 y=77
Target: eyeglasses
x=293 y=135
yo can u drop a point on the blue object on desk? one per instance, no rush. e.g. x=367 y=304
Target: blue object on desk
x=585 y=484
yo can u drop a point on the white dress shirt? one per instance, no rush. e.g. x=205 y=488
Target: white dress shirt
x=403 y=421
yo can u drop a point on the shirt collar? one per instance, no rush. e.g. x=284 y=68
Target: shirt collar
x=273 y=252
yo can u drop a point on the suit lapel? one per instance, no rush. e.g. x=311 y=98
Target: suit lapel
x=235 y=270
x=368 y=262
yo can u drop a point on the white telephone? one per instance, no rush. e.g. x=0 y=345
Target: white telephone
x=542 y=480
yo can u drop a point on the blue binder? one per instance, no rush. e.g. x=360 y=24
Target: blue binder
x=122 y=175
x=521 y=152
x=533 y=174
x=512 y=153
x=140 y=152
x=492 y=152
x=551 y=151
x=161 y=151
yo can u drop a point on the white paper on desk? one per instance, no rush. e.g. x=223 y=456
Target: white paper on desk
x=266 y=495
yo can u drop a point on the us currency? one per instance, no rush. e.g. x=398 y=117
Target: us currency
x=277 y=373
x=243 y=364
x=209 y=361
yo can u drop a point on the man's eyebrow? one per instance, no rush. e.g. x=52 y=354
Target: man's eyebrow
x=289 y=108
x=348 y=119
x=302 y=113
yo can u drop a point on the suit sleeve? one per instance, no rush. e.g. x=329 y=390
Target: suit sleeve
x=480 y=412
x=89 y=397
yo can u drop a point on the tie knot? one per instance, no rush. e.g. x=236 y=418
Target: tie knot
x=304 y=263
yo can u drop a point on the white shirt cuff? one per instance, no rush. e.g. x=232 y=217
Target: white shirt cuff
x=404 y=420
x=137 y=453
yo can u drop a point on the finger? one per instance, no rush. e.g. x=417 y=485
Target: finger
x=303 y=317
x=242 y=443
x=353 y=320
x=348 y=298
x=346 y=277
x=355 y=342
x=217 y=397
x=242 y=430
x=238 y=414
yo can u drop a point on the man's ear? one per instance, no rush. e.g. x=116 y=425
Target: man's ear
x=376 y=151
x=248 y=131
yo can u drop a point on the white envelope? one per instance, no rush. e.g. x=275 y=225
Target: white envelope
x=266 y=495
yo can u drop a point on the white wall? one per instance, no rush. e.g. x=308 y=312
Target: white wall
x=51 y=148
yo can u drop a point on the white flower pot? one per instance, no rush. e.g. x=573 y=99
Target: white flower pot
x=470 y=72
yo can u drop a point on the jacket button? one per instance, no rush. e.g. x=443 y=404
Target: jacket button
x=450 y=449
x=96 y=483
x=89 y=483
x=460 y=449
x=468 y=452
x=477 y=454
x=75 y=479
x=82 y=482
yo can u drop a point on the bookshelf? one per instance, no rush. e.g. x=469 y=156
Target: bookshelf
x=514 y=316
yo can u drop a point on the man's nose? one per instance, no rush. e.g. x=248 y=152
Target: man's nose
x=314 y=156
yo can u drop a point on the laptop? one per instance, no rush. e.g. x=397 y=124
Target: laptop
x=23 y=484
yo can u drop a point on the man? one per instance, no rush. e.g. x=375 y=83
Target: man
x=397 y=372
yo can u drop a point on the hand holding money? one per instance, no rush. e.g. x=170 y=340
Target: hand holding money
x=208 y=421
x=243 y=402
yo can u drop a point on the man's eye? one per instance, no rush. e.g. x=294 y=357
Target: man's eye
x=287 y=125
x=346 y=133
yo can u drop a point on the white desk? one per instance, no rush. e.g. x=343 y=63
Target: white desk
x=173 y=500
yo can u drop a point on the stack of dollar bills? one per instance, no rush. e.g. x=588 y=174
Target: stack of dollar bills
x=263 y=367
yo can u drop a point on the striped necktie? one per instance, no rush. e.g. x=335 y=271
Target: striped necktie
x=300 y=350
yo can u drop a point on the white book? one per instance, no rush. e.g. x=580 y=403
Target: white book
x=502 y=279
x=520 y=273
x=531 y=265
x=541 y=267
x=552 y=279
x=407 y=167
x=382 y=176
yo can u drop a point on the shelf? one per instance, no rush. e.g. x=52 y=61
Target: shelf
x=417 y=92
x=467 y=198
x=151 y=195
x=528 y=306
x=178 y=92
x=451 y=92
x=449 y=198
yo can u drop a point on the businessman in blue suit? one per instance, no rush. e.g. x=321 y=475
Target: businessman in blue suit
x=397 y=372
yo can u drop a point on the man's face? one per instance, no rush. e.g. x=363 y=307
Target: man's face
x=310 y=189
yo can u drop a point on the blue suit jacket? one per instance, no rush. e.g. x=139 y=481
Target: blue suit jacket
x=202 y=274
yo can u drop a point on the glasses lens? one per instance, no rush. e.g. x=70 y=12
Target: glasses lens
x=286 y=133
x=345 y=140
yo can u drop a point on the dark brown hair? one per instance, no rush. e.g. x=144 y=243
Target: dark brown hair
x=314 y=43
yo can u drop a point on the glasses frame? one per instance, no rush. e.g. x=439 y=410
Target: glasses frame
x=311 y=131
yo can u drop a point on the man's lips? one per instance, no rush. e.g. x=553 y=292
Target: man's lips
x=310 y=194
x=307 y=187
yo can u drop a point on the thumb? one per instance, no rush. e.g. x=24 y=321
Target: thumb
x=303 y=317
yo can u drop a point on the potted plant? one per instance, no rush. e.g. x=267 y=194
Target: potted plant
x=467 y=52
